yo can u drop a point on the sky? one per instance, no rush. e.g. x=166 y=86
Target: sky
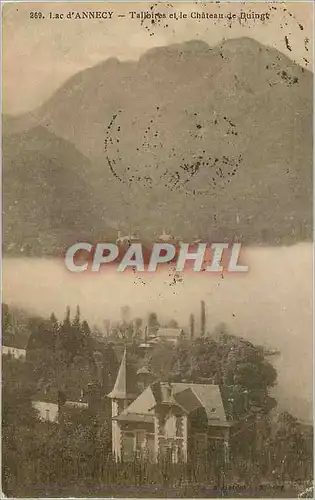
x=40 y=54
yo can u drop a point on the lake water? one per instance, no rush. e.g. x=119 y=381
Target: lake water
x=271 y=304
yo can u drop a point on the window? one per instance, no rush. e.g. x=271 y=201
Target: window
x=151 y=446
x=170 y=426
x=140 y=439
x=47 y=414
x=162 y=425
x=179 y=427
x=128 y=444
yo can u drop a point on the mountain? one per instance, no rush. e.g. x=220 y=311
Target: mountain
x=210 y=142
x=48 y=202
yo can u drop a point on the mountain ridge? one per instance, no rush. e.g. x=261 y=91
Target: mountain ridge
x=222 y=132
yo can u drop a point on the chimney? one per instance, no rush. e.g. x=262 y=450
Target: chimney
x=203 y=319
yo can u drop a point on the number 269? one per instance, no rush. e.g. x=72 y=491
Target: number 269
x=36 y=15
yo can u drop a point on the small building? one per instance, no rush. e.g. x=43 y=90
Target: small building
x=53 y=405
x=167 y=420
x=14 y=352
x=47 y=403
x=145 y=345
x=15 y=343
x=170 y=334
x=48 y=411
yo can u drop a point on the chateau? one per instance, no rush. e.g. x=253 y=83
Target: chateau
x=175 y=421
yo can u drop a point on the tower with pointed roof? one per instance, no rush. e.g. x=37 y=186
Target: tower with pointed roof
x=124 y=392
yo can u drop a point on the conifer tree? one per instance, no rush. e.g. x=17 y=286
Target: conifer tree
x=76 y=320
x=67 y=320
x=192 y=326
x=203 y=319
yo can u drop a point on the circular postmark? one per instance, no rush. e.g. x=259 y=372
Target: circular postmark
x=182 y=153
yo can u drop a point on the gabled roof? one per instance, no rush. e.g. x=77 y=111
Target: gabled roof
x=188 y=400
x=126 y=384
x=209 y=396
x=189 y=397
x=142 y=406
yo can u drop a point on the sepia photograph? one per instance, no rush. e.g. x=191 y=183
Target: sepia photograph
x=157 y=249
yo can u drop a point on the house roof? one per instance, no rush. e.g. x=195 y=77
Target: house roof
x=188 y=400
x=189 y=397
x=169 y=333
x=143 y=404
x=126 y=382
x=7 y=346
x=18 y=341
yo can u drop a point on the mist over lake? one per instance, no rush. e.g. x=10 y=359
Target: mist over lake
x=270 y=305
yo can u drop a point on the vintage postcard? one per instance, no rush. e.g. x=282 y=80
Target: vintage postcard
x=157 y=300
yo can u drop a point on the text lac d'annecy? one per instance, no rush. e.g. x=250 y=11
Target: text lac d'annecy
x=214 y=257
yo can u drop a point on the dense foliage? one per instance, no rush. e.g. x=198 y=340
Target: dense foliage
x=73 y=457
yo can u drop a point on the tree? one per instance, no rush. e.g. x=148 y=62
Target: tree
x=182 y=362
x=18 y=418
x=138 y=322
x=125 y=314
x=85 y=329
x=41 y=348
x=192 y=326
x=106 y=323
x=153 y=323
x=172 y=324
x=76 y=320
x=203 y=319
x=234 y=363
x=163 y=360
x=289 y=446
x=67 y=321
x=6 y=319
x=244 y=366
x=53 y=319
